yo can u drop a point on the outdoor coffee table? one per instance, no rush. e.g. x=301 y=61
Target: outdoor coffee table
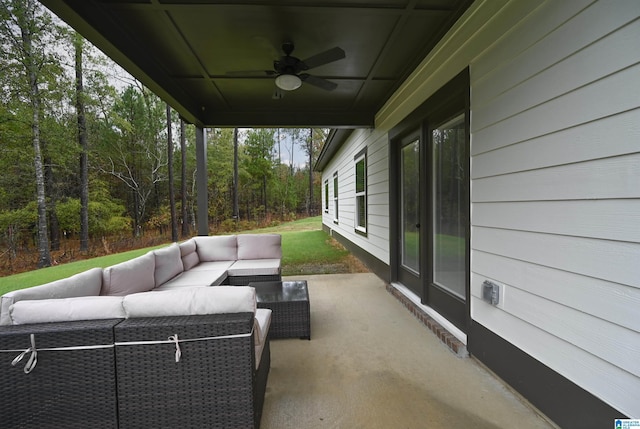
x=289 y=303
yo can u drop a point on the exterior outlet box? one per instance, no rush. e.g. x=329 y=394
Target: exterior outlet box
x=490 y=292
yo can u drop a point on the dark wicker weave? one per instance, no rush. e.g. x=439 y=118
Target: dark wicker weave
x=67 y=388
x=289 y=302
x=246 y=280
x=214 y=385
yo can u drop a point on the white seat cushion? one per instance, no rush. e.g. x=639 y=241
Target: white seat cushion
x=212 y=266
x=195 y=278
x=255 y=267
x=67 y=309
x=261 y=330
x=263 y=322
x=191 y=301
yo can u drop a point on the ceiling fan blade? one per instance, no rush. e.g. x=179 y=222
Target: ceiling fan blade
x=326 y=57
x=319 y=82
x=251 y=73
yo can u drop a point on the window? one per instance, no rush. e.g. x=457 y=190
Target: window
x=361 y=191
x=335 y=197
x=326 y=196
x=449 y=205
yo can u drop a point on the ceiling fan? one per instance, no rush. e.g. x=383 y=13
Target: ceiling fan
x=288 y=70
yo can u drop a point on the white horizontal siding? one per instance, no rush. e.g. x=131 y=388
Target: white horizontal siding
x=590 y=64
x=556 y=192
x=557 y=42
x=611 y=384
x=615 y=261
x=595 y=102
x=376 y=241
x=572 y=145
x=610 y=342
x=613 y=219
x=582 y=293
x=615 y=177
x=555 y=179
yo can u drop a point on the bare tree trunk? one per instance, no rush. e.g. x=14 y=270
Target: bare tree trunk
x=44 y=257
x=279 y=153
x=54 y=224
x=137 y=228
x=183 y=185
x=310 y=206
x=84 y=148
x=264 y=194
x=172 y=198
x=236 y=214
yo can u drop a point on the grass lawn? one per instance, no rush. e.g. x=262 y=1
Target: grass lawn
x=306 y=249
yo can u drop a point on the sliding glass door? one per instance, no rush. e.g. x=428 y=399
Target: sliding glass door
x=430 y=202
x=410 y=203
x=449 y=220
x=449 y=206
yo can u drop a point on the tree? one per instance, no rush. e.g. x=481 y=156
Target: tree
x=317 y=138
x=183 y=181
x=133 y=155
x=235 y=211
x=172 y=198
x=24 y=27
x=310 y=153
x=258 y=163
x=220 y=165
x=84 y=146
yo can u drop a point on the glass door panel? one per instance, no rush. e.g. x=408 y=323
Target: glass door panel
x=410 y=206
x=449 y=207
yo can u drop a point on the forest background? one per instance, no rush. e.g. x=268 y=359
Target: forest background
x=92 y=162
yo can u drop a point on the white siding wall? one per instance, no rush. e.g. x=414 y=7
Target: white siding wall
x=556 y=192
x=555 y=189
x=377 y=240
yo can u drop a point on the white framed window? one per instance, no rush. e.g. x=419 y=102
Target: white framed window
x=360 y=161
x=326 y=196
x=335 y=197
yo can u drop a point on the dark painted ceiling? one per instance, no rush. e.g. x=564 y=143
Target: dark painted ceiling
x=184 y=50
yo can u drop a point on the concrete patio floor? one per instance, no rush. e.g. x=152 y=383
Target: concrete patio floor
x=371 y=364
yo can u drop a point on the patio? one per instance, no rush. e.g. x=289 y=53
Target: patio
x=371 y=364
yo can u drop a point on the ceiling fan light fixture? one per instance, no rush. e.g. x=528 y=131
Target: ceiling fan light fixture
x=288 y=82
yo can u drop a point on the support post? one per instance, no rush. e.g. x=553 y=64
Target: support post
x=201 y=182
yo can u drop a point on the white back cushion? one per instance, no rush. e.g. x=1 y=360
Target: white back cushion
x=191 y=301
x=87 y=283
x=259 y=246
x=136 y=275
x=188 y=254
x=217 y=248
x=67 y=309
x=168 y=264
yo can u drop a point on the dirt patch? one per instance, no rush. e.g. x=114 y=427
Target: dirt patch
x=349 y=264
x=345 y=265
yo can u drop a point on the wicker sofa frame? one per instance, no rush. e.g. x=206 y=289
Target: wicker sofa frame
x=124 y=374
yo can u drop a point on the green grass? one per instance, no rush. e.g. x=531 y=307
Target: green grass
x=310 y=252
x=306 y=249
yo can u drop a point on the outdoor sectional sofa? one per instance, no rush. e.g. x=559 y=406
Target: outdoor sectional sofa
x=144 y=343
